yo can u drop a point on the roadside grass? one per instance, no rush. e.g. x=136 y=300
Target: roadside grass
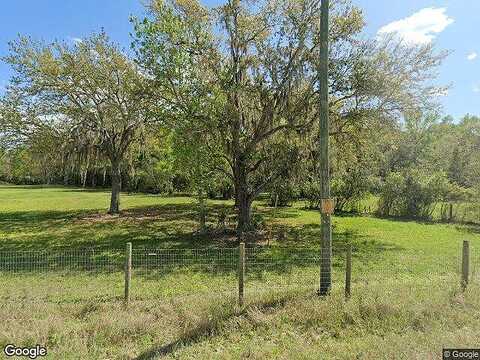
x=406 y=301
x=410 y=318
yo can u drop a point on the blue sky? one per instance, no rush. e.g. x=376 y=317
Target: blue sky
x=450 y=24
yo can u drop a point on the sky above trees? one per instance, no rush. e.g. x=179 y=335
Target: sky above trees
x=450 y=24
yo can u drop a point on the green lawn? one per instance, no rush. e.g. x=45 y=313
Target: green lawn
x=406 y=302
x=36 y=218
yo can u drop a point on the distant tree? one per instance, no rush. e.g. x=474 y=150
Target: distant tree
x=464 y=166
x=413 y=193
x=91 y=87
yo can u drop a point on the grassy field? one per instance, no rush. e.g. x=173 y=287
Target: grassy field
x=406 y=301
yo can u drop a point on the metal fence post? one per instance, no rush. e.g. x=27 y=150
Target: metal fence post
x=128 y=271
x=465 y=263
x=241 y=273
x=348 y=272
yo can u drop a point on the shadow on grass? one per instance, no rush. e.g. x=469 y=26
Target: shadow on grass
x=90 y=240
x=212 y=326
x=470 y=228
x=160 y=226
x=406 y=219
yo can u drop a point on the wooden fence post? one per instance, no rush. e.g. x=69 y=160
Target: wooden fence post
x=348 y=272
x=465 y=263
x=128 y=271
x=241 y=273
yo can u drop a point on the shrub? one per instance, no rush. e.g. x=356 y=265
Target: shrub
x=347 y=189
x=412 y=193
x=351 y=186
x=221 y=188
x=311 y=193
x=283 y=194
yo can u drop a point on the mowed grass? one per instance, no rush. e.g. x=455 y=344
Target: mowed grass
x=34 y=217
x=406 y=301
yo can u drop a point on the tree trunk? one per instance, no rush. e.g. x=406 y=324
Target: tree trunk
x=116 y=188
x=83 y=176
x=94 y=178
x=235 y=194
x=244 y=211
x=85 y=172
x=94 y=170
x=202 y=211
x=104 y=176
x=243 y=200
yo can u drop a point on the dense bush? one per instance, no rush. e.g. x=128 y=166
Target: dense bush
x=283 y=194
x=220 y=188
x=154 y=181
x=311 y=193
x=346 y=189
x=351 y=186
x=413 y=193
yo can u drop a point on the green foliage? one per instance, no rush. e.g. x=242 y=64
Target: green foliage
x=235 y=123
x=88 y=98
x=413 y=193
x=220 y=188
x=311 y=192
x=151 y=164
x=257 y=221
x=14 y=167
x=347 y=189
x=351 y=186
x=283 y=194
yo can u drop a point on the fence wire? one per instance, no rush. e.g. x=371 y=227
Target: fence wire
x=83 y=274
x=36 y=261
x=168 y=260
x=475 y=263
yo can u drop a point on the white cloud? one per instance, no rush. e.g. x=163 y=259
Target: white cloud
x=476 y=89
x=472 y=56
x=421 y=27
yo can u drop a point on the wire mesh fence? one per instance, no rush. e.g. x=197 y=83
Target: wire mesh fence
x=475 y=263
x=281 y=269
x=167 y=273
x=167 y=260
x=67 y=260
x=86 y=274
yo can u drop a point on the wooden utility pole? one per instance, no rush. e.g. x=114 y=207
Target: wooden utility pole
x=327 y=203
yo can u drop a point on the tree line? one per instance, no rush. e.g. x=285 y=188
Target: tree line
x=224 y=102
